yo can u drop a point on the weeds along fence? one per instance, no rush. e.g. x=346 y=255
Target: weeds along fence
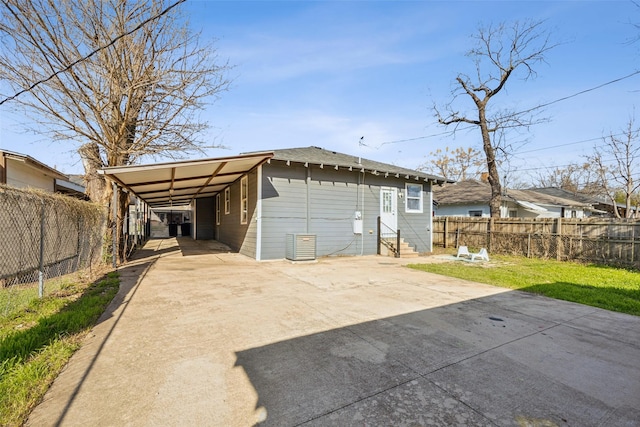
x=44 y=235
x=598 y=240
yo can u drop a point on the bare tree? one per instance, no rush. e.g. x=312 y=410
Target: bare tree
x=574 y=177
x=457 y=165
x=617 y=164
x=122 y=79
x=500 y=52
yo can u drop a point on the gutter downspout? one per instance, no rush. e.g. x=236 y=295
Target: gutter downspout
x=308 y=199
x=430 y=201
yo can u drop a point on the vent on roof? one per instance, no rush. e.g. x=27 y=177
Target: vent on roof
x=301 y=247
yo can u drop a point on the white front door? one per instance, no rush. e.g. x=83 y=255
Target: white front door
x=388 y=212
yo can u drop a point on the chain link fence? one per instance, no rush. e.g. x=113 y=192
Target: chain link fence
x=44 y=235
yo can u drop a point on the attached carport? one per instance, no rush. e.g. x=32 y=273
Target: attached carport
x=185 y=183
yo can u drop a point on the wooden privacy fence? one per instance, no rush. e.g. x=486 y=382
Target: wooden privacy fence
x=607 y=241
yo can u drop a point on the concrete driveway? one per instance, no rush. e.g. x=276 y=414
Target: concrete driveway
x=198 y=336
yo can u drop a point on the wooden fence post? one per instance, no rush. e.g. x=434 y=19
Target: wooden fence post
x=559 y=238
x=633 y=241
x=446 y=230
x=490 y=226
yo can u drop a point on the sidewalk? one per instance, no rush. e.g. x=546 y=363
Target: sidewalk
x=200 y=336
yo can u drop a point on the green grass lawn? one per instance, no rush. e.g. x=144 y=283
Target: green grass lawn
x=599 y=286
x=38 y=338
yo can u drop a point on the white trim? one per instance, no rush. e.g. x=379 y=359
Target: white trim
x=531 y=206
x=259 y=214
x=218 y=209
x=227 y=201
x=185 y=163
x=389 y=219
x=406 y=198
x=244 y=200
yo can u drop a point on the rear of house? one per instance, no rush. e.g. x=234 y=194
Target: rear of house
x=332 y=198
x=260 y=203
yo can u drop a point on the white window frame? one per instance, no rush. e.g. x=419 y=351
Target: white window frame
x=218 y=210
x=407 y=198
x=227 y=201
x=244 y=199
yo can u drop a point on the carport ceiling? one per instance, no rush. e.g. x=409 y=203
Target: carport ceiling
x=179 y=183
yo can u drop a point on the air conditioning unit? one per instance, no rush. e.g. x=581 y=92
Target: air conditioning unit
x=301 y=247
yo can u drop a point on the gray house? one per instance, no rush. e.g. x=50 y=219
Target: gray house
x=286 y=203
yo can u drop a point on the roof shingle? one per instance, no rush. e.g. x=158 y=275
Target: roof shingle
x=320 y=156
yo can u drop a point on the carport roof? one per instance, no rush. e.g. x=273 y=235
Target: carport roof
x=179 y=183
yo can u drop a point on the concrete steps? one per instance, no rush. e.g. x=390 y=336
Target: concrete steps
x=406 y=250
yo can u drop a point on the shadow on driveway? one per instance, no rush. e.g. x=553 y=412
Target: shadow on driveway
x=208 y=337
x=489 y=361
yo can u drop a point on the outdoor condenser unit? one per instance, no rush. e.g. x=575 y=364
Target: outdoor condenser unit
x=301 y=247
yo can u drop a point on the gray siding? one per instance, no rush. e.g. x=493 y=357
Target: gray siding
x=205 y=218
x=326 y=207
x=283 y=207
x=415 y=228
x=240 y=237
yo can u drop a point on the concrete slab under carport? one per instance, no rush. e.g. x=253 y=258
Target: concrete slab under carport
x=202 y=336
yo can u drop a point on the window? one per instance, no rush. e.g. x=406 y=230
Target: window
x=414 y=198
x=387 y=202
x=244 y=200
x=513 y=213
x=475 y=213
x=227 y=200
x=217 y=209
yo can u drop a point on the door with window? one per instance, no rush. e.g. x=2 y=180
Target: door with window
x=388 y=211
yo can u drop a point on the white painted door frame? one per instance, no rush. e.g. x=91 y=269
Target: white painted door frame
x=388 y=211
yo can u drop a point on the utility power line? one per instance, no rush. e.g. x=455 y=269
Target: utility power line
x=84 y=58
x=546 y=104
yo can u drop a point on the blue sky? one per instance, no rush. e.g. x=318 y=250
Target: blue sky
x=327 y=73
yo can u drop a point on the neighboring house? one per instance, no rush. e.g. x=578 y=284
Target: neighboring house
x=258 y=203
x=22 y=171
x=603 y=205
x=471 y=198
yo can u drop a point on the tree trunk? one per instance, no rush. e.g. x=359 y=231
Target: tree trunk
x=492 y=168
x=95 y=184
x=99 y=191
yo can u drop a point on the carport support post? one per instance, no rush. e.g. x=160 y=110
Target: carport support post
x=114 y=232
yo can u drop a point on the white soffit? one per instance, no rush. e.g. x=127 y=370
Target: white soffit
x=179 y=183
x=530 y=206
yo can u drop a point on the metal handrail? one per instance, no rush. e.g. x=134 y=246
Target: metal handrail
x=396 y=249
